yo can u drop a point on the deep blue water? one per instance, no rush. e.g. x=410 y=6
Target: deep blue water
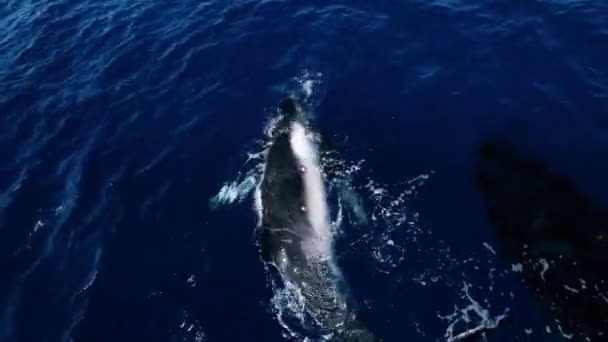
x=119 y=120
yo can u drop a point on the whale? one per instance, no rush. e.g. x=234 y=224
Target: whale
x=295 y=235
x=553 y=230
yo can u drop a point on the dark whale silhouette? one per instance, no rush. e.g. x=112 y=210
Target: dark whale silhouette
x=294 y=229
x=557 y=234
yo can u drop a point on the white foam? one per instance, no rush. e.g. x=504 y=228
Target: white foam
x=605 y=298
x=517 y=267
x=200 y=336
x=190 y=330
x=337 y=223
x=307 y=86
x=90 y=281
x=234 y=192
x=192 y=281
x=561 y=331
x=353 y=203
x=571 y=289
x=39 y=224
x=543 y=262
x=288 y=303
x=486 y=322
x=489 y=248
x=308 y=81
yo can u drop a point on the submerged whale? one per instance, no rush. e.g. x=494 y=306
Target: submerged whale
x=557 y=234
x=294 y=229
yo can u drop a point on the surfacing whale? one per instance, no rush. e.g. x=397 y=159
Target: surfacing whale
x=294 y=229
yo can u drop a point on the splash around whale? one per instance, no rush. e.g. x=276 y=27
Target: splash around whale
x=294 y=227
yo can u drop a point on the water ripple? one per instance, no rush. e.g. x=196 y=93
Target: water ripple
x=97 y=96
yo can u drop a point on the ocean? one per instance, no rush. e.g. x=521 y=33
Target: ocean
x=467 y=142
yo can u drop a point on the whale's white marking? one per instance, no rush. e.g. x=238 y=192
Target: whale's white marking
x=305 y=151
